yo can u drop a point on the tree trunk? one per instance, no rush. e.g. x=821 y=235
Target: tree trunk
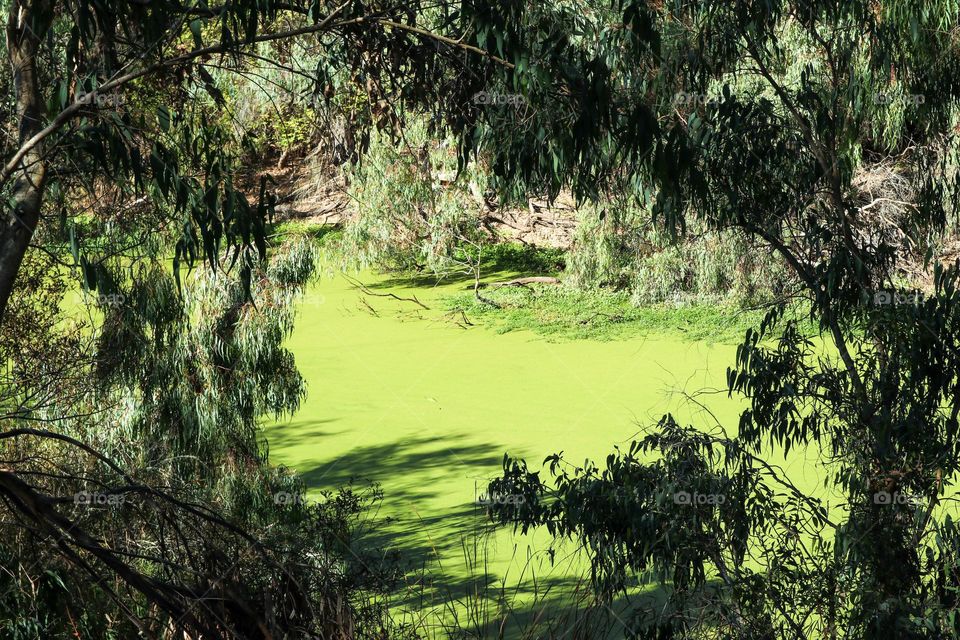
x=27 y=23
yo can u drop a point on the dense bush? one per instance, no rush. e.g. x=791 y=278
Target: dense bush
x=177 y=385
x=624 y=250
x=414 y=210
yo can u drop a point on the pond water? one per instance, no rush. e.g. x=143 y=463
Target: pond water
x=404 y=397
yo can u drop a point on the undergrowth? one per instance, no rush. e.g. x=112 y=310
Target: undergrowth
x=561 y=312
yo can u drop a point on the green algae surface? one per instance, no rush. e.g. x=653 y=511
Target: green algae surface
x=426 y=402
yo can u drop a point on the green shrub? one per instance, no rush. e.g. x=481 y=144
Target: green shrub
x=413 y=209
x=619 y=248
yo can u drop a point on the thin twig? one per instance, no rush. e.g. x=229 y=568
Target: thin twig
x=359 y=285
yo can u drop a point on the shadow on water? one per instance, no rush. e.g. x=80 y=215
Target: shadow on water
x=301 y=433
x=499 y=262
x=446 y=544
x=403 y=462
x=424 y=513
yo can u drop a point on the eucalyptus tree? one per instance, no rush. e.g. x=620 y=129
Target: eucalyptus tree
x=74 y=63
x=772 y=117
x=116 y=158
x=147 y=504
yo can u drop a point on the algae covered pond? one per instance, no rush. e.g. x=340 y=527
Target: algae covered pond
x=426 y=406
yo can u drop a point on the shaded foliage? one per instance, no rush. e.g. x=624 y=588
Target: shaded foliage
x=753 y=138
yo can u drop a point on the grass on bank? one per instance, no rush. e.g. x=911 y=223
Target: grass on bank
x=561 y=312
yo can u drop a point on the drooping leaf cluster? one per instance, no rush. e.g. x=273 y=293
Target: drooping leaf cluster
x=774 y=119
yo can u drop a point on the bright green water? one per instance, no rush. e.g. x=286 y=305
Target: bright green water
x=427 y=409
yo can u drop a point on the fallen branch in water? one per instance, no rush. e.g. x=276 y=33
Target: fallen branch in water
x=463 y=322
x=517 y=282
x=484 y=299
x=359 y=285
x=521 y=282
x=372 y=311
x=612 y=318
